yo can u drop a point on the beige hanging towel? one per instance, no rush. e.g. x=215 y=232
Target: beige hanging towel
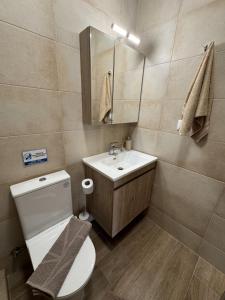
x=106 y=98
x=198 y=104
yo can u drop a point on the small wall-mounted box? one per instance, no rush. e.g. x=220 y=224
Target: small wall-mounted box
x=31 y=157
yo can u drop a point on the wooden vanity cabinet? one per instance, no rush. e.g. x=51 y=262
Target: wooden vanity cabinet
x=115 y=204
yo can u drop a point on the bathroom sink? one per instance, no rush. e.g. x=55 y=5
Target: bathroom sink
x=116 y=167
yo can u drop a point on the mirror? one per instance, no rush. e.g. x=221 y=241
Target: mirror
x=128 y=73
x=111 y=73
x=102 y=59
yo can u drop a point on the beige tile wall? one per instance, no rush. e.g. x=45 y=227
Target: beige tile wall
x=189 y=193
x=40 y=93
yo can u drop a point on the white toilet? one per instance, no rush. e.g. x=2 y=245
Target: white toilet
x=44 y=206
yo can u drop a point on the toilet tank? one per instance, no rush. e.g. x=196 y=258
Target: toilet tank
x=43 y=202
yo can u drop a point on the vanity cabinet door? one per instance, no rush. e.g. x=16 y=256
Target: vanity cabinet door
x=130 y=200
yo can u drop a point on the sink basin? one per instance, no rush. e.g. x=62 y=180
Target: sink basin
x=116 y=167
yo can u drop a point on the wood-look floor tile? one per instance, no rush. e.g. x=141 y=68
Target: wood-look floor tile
x=97 y=287
x=129 y=250
x=164 y=272
x=211 y=277
x=112 y=296
x=199 y=291
x=101 y=247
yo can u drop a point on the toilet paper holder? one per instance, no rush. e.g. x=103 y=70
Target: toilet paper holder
x=87 y=187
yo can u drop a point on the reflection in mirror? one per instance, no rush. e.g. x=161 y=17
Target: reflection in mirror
x=128 y=73
x=102 y=53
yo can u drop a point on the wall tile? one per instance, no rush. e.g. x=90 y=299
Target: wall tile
x=17 y=48
x=157 y=43
x=187 y=197
x=28 y=110
x=40 y=18
x=149 y=115
x=128 y=14
x=190 y=5
x=76 y=15
x=73 y=16
x=68 y=64
x=215 y=233
x=11 y=165
x=207 y=158
x=156 y=12
x=182 y=73
x=212 y=16
x=216 y=131
x=145 y=140
x=112 y=8
x=77 y=175
x=80 y=143
x=218 y=75
x=72 y=110
x=6 y=203
x=155 y=82
x=67 y=37
x=171 y=113
x=172 y=148
x=11 y=234
x=182 y=233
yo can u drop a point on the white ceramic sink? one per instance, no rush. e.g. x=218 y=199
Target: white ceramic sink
x=116 y=167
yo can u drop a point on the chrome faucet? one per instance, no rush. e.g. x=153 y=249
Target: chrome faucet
x=115 y=148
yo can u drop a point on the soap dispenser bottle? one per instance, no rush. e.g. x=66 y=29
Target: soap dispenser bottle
x=128 y=143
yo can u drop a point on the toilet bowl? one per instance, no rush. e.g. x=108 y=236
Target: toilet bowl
x=44 y=206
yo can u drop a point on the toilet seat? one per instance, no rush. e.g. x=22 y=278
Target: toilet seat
x=83 y=265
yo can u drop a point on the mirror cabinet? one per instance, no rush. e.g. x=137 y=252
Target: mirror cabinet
x=112 y=76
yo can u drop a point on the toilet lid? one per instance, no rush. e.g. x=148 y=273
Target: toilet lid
x=83 y=265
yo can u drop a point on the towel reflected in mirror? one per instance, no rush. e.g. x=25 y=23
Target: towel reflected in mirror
x=106 y=99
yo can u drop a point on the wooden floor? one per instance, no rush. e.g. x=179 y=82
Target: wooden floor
x=146 y=263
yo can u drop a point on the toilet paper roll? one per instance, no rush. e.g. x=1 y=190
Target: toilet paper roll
x=87 y=186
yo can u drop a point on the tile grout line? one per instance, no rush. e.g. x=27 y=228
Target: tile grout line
x=38 y=88
x=182 y=225
x=28 y=30
x=180 y=59
x=169 y=73
x=188 y=286
x=172 y=236
x=196 y=253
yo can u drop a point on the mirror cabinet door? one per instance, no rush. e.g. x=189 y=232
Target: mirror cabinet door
x=102 y=57
x=128 y=73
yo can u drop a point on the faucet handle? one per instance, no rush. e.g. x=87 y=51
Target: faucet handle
x=114 y=144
